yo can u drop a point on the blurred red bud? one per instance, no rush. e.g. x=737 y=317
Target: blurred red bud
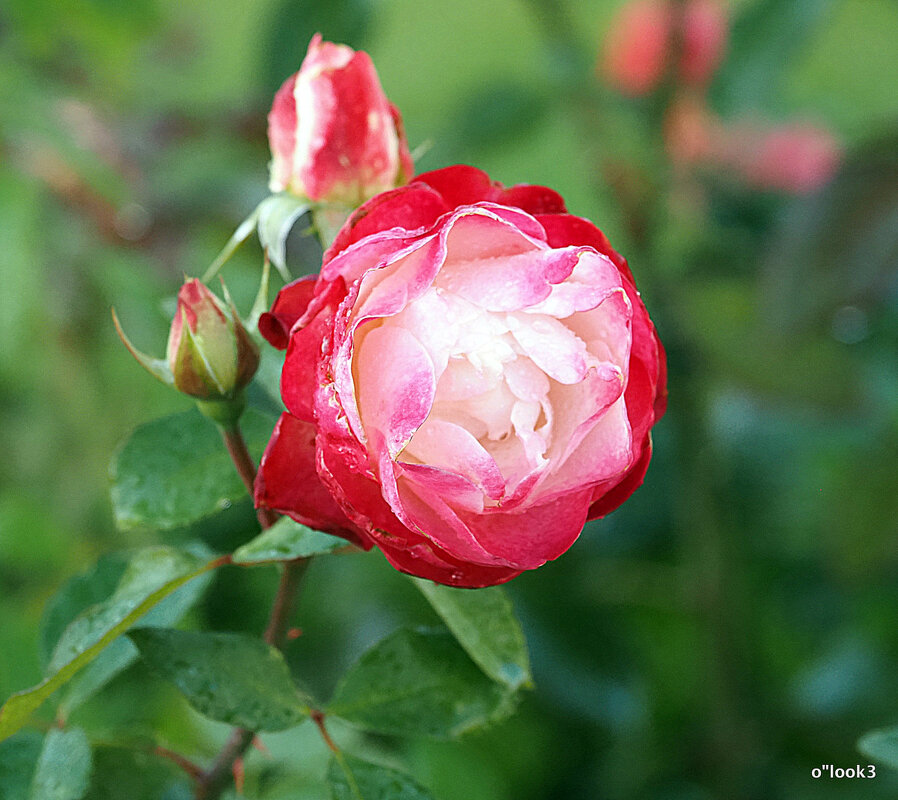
x=641 y=35
x=691 y=131
x=795 y=157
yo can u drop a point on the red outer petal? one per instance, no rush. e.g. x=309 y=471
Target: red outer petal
x=290 y=304
x=288 y=482
x=607 y=500
x=565 y=229
x=409 y=207
x=461 y=185
x=426 y=561
x=299 y=378
x=533 y=199
x=530 y=538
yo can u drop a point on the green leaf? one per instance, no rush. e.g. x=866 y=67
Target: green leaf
x=721 y=317
x=484 y=623
x=277 y=215
x=836 y=247
x=121 y=653
x=419 y=683
x=881 y=745
x=284 y=541
x=228 y=677
x=763 y=44
x=353 y=779
x=151 y=576
x=76 y=595
x=175 y=471
x=18 y=757
x=63 y=769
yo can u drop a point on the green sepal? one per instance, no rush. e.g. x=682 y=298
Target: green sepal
x=157 y=367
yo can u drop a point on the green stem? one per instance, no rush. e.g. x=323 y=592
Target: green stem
x=212 y=782
x=284 y=601
x=246 y=469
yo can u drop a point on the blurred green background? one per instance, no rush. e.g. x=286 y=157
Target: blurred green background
x=735 y=624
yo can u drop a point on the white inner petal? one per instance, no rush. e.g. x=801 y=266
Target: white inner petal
x=513 y=387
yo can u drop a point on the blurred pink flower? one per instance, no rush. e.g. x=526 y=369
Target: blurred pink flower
x=638 y=44
x=795 y=157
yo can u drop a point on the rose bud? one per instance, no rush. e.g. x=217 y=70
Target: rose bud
x=691 y=131
x=470 y=378
x=641 y=35
x=209 y=356
x=209 y=352
x=795 y=158
x=334 y=136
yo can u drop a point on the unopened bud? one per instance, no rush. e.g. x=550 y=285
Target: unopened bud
x=210 y=356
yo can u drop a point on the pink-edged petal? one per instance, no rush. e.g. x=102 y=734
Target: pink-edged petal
x=606 y=329
x=510 y=282
x=385 y=291
x=395 y=384
x=577 y=407
x=589 y=283
x=527 y=538
x=418 y=495
x=448 y=446
x=282 y=135
x=604 y=452
x=434 y=492
x=431 y=499
x=290 y=304
x=551 y=345
x=288 y=482
x=478 y=232
x=566 y=229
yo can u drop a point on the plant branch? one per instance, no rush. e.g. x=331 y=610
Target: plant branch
x=278 y=622
x=211 y=783
x=246 y=469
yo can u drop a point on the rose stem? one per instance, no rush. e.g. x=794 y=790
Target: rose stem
x=246 y=469
x=213 y=781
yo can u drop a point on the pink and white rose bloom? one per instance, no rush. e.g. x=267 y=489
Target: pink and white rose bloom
x=470 y=378
x=334 y=136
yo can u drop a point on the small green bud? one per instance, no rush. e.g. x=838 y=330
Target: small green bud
x=210 y=356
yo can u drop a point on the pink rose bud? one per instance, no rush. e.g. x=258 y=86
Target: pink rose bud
x=690 y=131
x=469 y=379
x=210 y=354
x=705 y=33
x=641 y=35
x=796 y=158
x=334 y=136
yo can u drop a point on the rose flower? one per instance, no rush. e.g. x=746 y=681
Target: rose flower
x=470 y=378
